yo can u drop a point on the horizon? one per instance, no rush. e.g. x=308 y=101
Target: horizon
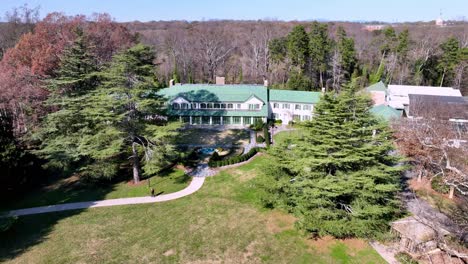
x=362 y=11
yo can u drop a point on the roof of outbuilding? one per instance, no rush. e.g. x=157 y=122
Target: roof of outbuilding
x=215 y=93
x=386 y=112
x=380 y=86
x=294 y=96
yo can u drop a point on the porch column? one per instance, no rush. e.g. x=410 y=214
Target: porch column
x=242 y=120
x=221 y=120
x=180 y=119
x=211 y=120
x=190 y=118
x=251 y=120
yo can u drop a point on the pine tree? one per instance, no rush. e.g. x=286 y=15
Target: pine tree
x=338 y=177
x=61 y=130
x=347 y=51
x=126 y=111
x=319 y=49
x=298 y=47
x=449 y=60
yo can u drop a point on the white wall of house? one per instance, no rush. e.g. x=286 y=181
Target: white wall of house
x=286 y=111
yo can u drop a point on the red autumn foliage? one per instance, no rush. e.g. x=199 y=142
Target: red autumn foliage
x=37 y=55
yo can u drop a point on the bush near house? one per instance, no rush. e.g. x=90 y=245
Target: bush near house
x=260 y=139
x=219 y=163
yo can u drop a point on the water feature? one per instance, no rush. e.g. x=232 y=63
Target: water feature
x=206 y=151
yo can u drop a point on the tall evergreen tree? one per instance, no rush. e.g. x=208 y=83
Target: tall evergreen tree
x=298 y=47
x=338 y=177
x=347 y=51
x=127 y=112
x=451 y=54
x=61 y=130
x=319 y=49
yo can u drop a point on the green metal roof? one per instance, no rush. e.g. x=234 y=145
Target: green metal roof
x=386 y=112
x=294 y=96
x=215 y=93
x=380 y=86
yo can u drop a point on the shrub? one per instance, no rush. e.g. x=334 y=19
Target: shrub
x=405 y=258
x=438 y=185
x=7 y=222
x=266 y=135
x=260 y=139
x=233 y=160
x=278 y=121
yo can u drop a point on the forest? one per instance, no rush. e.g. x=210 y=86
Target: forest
x=308 y=55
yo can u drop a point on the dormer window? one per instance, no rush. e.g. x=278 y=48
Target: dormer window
x=254 y=106
x=184 y=106
x=230 y=106
x=203 y=106
x=175 y=106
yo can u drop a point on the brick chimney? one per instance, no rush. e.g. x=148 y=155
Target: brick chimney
x=220 y=80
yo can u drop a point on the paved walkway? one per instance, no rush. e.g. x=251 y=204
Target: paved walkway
x=194 y=186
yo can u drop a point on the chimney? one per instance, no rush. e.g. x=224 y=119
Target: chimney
x=220 y=80
x=265 y=82
x=171 y=83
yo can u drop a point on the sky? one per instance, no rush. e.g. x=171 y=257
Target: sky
x=191 y=10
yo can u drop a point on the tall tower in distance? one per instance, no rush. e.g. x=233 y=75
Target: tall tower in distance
x=439 y=21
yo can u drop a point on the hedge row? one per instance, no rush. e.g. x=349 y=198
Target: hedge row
x=233 y=160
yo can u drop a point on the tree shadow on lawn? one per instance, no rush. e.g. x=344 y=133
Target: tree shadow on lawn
x=32 y=230
x=29 y=231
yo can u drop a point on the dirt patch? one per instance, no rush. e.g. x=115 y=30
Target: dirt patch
x=168 y=253
x=278 y=222
x=63 y=183
x=323 y=244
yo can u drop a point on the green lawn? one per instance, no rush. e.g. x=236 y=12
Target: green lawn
x=221 y=223
x=70 y=190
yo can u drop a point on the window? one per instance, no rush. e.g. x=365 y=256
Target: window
x=223 y=106
x=217 y=106
x=296 y=117
x=196 y=120
x=230 y=106
x=216 y=120
x=247 y=120
x=285 y=106
x=194 y=106
x=209 y=105
x=254 y=106
x=257 y=119
x=306 y=118
x=205 y=120
x=276 y=116
x=236 y=120
x=298 y=107
x=306 y=107
x=175 y=106
x=203 y=106
x=275 y=105
x=239 y=106
x=227 y=120
x=184 y=106
x=186 y=119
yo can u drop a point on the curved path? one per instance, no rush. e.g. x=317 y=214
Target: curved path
x=195 y=185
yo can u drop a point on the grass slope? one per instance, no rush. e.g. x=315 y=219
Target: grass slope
x=70 y=190
x=221 y=223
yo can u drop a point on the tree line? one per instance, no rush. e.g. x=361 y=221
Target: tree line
x=308 y=56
